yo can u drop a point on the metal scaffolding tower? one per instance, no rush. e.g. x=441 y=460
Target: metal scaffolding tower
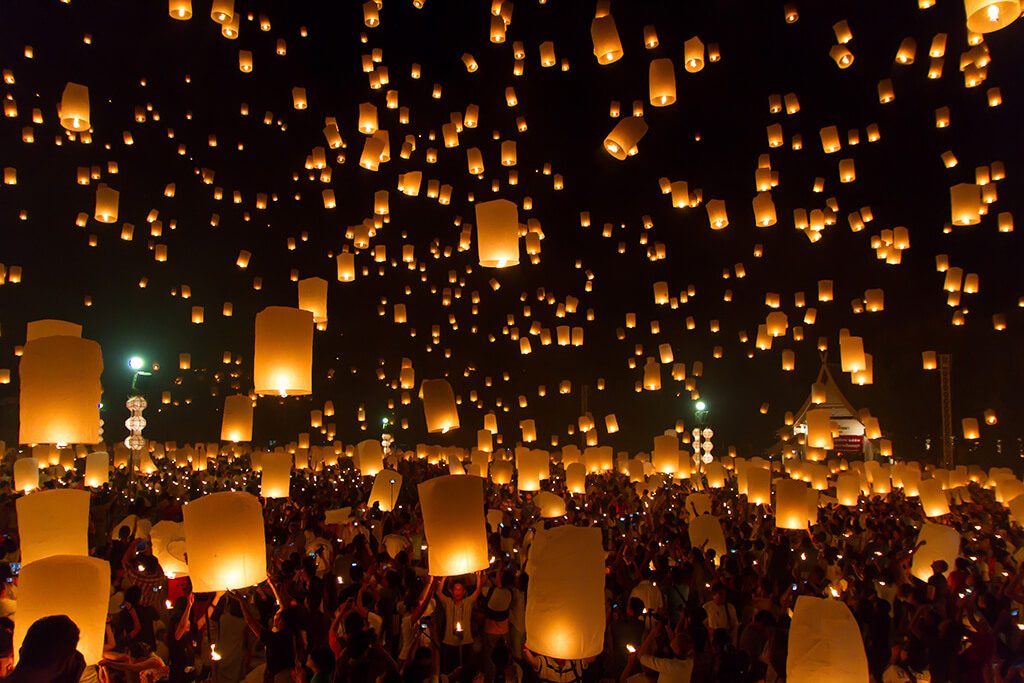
x=945 y=368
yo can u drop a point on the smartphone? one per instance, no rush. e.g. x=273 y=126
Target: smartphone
x=15 y=568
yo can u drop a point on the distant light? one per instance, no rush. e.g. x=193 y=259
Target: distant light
x=136 y=362
x=701 y=405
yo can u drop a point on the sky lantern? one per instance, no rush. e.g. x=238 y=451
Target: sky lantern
x=180 y=9
x=605 y=36
x=623 y=139
x=72 y=585
x=497 y=227
x=106 y=204
x=26 y=474
x=60 y=391
x=370 y=457
x=706 y=531
x=225 y=541
x=662 y=82
x=848 y=488
x=933 y=498
x=665 y=455
x=168 y=541
x=941 y=543
x=313 y=298
x=453 y=522
x=236 y=422
x=387 y=485
x=73 y=110
x=53 y=523
x=565 y=615
x=819 y=428
x=550 y=505
x=759 y=485
x=222 y=11
x=693 y=55
x=283 y=358
x=791 y=504
x=439 y=407
x=825 y=643
x=97 y=469
x=965 y=201
x=275 y=480
x=576 y=478
x=986 y=16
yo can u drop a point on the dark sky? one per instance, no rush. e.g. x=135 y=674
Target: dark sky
x=725 y=105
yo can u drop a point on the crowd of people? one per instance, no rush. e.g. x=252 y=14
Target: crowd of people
x=349 y=598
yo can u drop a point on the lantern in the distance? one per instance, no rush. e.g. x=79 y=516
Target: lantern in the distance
x=453 y=521
x=313 y=297
x=74 y=109
x=60 y=391
x=283 y=359
x=276 y=476
x=565 y=616
x=622 y=141
x=236 y=425
x=73 y=585
x=225 y=541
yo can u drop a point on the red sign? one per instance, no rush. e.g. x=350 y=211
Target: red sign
x=848 y=444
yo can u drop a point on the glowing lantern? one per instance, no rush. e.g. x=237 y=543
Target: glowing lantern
x=693 y=55
x=791 y=504
x=97 y=467
x=986 y=16
x=501 y=472
x=565 y=616
x=106 y=204
x=625 y=136
x=662 y=82
x=970 y=428
x=825 y=643
x=26 y=474
x=549 y=504
x=74 y=108
x=848 y=488
x=439 y=406
x=497 y=230
x=168 y=541
x=313 y=298
x=759 y=485
x=665 y=456
x=236 y=424
x=965 y=204
x=386 y=487
x=283 y=359
x=576 y=478
x=851 y=353
x=277 y=475
x=53 y=523
x=223 y=11
x=819 y=428
x=60 y=391
x=72 y=585
x=370 y=456
x=180 y=9
x=453 y=521
x=933 y=498
x=605 y=35
x=941 y=543
x=225 y=541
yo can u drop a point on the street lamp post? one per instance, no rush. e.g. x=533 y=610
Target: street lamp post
x=135 y=423
x=702 y=436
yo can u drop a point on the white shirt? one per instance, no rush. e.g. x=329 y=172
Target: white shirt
x=669 y=670
x=649 y=594
x=721 y=616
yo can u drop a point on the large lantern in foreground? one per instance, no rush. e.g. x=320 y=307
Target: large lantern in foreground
x=60 y=391
x=225 y=541
x=453 y=521
x=825 y=644
x=986 y=16
x=497 y=233
x=283 y=359
x=565 y=615
x=53 y=523
x=76 y=586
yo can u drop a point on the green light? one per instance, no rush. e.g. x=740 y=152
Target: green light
x=384 y=421
x=136 y=362
x=701 y=405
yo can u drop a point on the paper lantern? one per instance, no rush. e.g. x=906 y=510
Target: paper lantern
x=439 y=407
x=707 y=530
x=549 y=504
x=501 y=472
x=851 y=353
x=283 y=359
x=965 y=204
x=605 y=35
x=97 y=469
x=370 y=456
x=225 y=541
x=759 y=485
x=386 y=487
x=576 y=478
x=625 y=136
x=26 y=474
x=986 y=16
x=236 y=424
x=933 y=498
x=565 y=615
x=497 y=233
x=277 y=475
x=453 y=521
x=313 y=298
x=825 y=643
x=941 y=543
x=693 y=55
x=848 y=489
x=73 y=110
x=791 y=504
x=715 y=474
x=665 y=456
x=71 y=585
x=662 y=82
x=969 y=425
x=180 y=9
x=53 y=523
x=819 y=428
x=60 y=391
x=168 y=541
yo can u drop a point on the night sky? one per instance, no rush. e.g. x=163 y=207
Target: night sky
x=183 y=75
